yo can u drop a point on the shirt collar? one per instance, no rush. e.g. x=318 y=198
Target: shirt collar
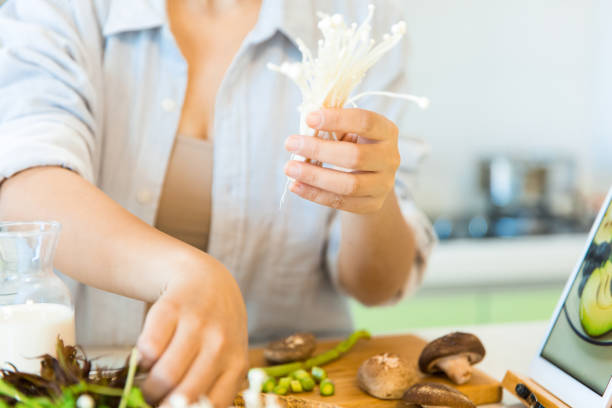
x=134 y=15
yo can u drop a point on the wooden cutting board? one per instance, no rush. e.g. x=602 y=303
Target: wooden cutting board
x=481 y=389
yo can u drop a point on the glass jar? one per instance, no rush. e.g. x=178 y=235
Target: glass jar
x=35 y=305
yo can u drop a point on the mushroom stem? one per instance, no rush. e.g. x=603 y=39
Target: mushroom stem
x=457 y=368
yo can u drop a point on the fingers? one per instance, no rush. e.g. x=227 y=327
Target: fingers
x=362 y=122
x=157 y=332
x=175 y=361
x=204 y=370
x=359 y=205
x=339 y=182
x=211 y=374
x=226 y=388
x=365 y=157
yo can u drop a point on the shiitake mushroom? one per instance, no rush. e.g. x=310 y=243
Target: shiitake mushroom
x=453 y=354
x=298 y=346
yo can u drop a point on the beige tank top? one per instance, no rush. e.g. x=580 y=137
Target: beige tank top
x=184 y=206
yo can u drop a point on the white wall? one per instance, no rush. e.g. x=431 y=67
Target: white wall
x=506 y=76
x=602 y=123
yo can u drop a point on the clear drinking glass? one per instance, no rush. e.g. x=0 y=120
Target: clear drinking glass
x=35 y=305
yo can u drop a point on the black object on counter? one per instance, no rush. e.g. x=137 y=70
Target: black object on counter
x=526 y=394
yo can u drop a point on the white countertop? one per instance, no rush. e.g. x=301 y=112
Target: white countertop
x=510 y=346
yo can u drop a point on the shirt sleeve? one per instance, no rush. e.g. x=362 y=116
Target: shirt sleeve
x=425 y=238
x=47 y=98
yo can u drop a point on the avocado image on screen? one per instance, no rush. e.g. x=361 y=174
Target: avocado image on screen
x=604 y=233
x=596 y=302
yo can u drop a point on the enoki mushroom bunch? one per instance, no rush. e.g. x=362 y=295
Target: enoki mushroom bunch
x=344 y=56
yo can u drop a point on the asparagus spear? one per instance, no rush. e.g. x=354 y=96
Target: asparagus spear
x=282 y=370
x=337 y=351
x=318 y=360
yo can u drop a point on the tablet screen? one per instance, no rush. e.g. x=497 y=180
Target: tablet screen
x=580 y=342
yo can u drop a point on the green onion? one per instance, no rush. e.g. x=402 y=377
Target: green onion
x=268 y=385
x=308 y=383
x=129 y=382
x=296 y=386
x=299 y=374
x=318 y=374
x=327 y=388
x=281 y=390
x=9 y=391
x=285 y=382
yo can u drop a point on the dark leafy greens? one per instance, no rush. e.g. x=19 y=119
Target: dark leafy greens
x=66 y=378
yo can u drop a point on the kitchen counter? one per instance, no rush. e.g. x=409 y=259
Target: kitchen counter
x=526 y=260
x=510 y=346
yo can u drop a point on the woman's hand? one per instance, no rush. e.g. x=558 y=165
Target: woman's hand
x=195 y=337
x=367 y=148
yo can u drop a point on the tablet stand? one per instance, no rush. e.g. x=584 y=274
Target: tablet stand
x=545 y=398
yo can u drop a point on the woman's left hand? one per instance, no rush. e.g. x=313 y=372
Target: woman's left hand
x=367 y=147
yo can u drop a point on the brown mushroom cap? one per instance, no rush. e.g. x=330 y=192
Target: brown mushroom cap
x=452 y=344
x=436 y=395
x=298 y=346
x=387 y=376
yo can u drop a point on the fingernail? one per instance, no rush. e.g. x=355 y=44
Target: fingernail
x=315 y=119
x=292 y=170
x=293 y=143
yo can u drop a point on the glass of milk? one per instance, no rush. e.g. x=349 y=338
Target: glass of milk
x=35 y=305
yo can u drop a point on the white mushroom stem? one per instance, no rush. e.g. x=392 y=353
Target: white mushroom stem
x=457 y=368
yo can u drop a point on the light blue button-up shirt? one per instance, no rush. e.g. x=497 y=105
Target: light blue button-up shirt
x=97 y=86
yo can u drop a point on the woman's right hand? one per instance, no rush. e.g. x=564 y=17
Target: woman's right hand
x=195 y=337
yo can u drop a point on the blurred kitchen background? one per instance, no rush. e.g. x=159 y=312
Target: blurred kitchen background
x=520 y=130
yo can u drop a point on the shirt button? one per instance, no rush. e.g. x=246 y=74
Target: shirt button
x=168 y=105
x=144 y=196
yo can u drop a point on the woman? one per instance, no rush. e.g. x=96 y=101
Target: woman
x=92 y=97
